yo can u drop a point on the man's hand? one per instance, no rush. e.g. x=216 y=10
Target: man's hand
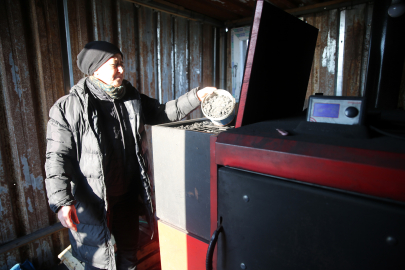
x=201 y=94
x=67 y=215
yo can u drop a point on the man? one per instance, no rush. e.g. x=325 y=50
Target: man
x=95 y=164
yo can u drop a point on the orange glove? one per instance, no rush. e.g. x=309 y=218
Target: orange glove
x=67 y=215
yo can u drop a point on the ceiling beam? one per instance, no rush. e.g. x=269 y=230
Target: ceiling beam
x=177 y=11
x=283 y=4
x=239 y=22
x=335 y=4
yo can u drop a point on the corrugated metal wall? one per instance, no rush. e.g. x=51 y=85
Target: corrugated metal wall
x=341 y=54
x=164 y=57
x=31 y=80
x=340 y=61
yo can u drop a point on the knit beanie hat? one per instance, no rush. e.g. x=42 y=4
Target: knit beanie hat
x=94 y=55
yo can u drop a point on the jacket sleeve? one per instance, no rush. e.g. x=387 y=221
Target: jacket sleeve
x=60 y=160
x=174 y=110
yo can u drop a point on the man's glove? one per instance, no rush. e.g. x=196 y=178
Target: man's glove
x=67 y=215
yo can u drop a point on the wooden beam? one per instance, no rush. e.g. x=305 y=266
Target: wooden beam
x=283 y=4
x=22 y=241
x=170 y=4
x=239 y=22
x=335 y=4
x=177 y=11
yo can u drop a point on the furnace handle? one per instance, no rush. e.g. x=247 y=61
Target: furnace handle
x=211 y=248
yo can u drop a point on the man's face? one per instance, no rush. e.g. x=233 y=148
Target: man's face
x=112 y=71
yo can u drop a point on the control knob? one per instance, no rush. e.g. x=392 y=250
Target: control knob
x=351 y=112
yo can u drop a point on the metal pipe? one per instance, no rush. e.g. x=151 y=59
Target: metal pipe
x=341 y=47
x=22 y=241
x=222 y=59
x=94 y=19
x=69 y=46
x=174 y=62
x=65 y=64
x=215 y=57
x=158 y=60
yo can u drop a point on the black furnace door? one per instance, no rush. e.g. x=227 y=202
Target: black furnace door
x=270 y=223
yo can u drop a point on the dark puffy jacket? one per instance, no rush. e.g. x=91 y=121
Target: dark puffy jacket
x=75 y=164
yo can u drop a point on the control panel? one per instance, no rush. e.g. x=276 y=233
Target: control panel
x=335 y=110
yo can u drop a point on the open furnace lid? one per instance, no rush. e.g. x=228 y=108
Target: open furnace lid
x=278 y=66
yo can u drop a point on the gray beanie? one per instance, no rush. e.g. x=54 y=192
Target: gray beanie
x=94 y=55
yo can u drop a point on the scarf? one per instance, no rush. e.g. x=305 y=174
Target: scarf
x=113 y=92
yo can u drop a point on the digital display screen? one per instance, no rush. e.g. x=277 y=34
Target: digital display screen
x=326 y=110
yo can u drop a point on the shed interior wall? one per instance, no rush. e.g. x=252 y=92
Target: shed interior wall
x=341 y=56
x=164 y=57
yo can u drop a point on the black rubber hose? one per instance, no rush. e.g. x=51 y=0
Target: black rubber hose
x=211 y=248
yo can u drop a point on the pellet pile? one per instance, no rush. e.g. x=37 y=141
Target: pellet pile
x=204 y=126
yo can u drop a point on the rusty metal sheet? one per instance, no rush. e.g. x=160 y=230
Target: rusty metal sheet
x=44 y=254
x=20 y=95
x=32 y=80
x=21 y=122
x=317 y=58
x=166 y=57
x=325 y=54
x=79 y=15
x=353 y=48
x=9 y=259
x=103 y=11
x=43 y=55
x=322 y=78
x=7 y=224
x=328 y=36
x=222 y=58
x=181 y=81
x=195 y=35
x=128 y=37
x=147 y=51
x=208 y=54
x=45 y=52
x=313 y=75
x=228 y=61
x=62 y=238
x=147 y=61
